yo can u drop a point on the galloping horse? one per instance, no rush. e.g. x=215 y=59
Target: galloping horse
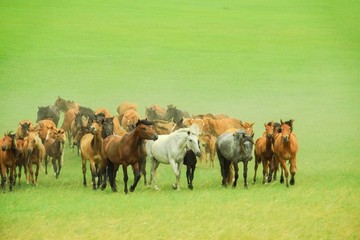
x=264 y=154
x=54 y=146
x=24 y=127
x=171 y=149
x=34 y=152
x=8 y=159
x=49 y=112
x=126 y=150
x=91 y=147
x=65 y=105
x=285 y=149
x=233 y=148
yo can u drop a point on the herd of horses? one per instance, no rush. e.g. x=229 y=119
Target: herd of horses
x=168 y=136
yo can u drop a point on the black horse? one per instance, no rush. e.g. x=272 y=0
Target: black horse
x=49 y=112
x=190 y=162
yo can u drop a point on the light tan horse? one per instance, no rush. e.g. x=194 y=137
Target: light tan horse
x=91 y=147
x=217 y=127
x=129 y=119
x=34 y=152
x=285 y=149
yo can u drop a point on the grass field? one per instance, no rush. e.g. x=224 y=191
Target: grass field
x=254 y=60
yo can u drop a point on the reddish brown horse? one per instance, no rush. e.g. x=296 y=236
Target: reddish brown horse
x=263 y=152
x=54 y=146
x=125 y=151
x=7 y=159
x=285 y=149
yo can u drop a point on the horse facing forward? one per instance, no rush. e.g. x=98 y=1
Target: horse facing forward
x=234 y=148
x=125 y=151
x=285 y=149
x=171 y=149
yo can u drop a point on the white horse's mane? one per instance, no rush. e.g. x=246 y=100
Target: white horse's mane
x=193 y=129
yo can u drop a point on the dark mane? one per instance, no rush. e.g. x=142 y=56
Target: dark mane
x=145 y=122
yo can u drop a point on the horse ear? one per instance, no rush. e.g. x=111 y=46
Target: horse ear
x=252 y=124
x=281 y=121
x=252 y=135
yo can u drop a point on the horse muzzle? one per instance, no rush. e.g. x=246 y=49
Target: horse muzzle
x=3 y=148
x=155 y=137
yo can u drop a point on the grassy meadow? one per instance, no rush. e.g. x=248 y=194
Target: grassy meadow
x=255 y=60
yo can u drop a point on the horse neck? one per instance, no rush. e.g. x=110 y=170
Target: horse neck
x=181 y=139
x=97 y=141
x=269 y=142
x=135 y=139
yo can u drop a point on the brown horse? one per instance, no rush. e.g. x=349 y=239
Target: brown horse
x=66 y=105
x=263 y=152
x=24 y=127
x=126 y=150
x=130 y=118
x=8 y=159
x=285 y=149
x=69 y=119
x=217 y=127
x=123 y=107
x=92 y=149
x=208 y=142
x=34 y=152
x=42 y=128
x=20 y=159
x=54 y=146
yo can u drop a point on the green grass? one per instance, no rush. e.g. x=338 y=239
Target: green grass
x=254 y=60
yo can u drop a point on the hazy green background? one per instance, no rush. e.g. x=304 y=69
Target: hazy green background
x=254 y=60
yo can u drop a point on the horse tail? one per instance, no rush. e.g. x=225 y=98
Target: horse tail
x=230 y=177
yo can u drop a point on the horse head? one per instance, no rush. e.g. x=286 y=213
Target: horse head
x=8 y=142
x=246 y=143
x=193 y=142
x=146 y=130
x=286 y=130
x=107 y=127
x=269 y=129
x=95 y=128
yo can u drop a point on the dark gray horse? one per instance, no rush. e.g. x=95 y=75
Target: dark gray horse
x=49 y=112
x=174 y=114
x=234 y=148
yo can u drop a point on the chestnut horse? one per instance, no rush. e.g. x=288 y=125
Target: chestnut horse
x=264 y=154
x=8 y=159
x=125 y=151
x=285 y=149
x=216 y=127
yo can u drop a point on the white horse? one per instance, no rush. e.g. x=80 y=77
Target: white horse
x=171 y=149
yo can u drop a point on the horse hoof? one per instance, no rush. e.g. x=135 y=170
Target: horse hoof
x=103 y=187
x=156 y=188
x=174 y=186
x=292 y=181
x=281 y=180
x=132 y=189
x=190 y=187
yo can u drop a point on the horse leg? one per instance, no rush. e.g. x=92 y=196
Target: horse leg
x=126 y=178
x=293 y=170
x=3 y=178
x=46 y=163
x=245 y=173
x=224 y=168
x=93 y=173
x=236 y=176
x=255 y=167
x=284 y=169
x=275 y=164
x=265 y=170
x=53 y=162
x=188 y=176
x=36 y=173
x=154 y=165
x=136 y=176
x=83 y=164
x=176 y=185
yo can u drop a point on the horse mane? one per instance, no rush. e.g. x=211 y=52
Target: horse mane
x=145 y=122
x=193 y=129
